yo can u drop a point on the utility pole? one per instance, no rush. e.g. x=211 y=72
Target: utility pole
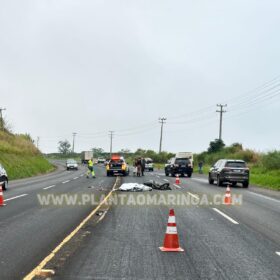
x=221 y=111
x=162 y=122
x=37 y=142
x=1 y=118
x=111 y=134
x=73 y=146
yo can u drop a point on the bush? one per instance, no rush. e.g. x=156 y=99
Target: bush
x=271 y=160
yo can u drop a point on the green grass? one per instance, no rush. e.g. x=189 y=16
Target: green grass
x=21 y=158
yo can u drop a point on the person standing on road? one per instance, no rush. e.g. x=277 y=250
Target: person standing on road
x=138 y=165
x=90 y=169
x=200 y=166
x=143 y=163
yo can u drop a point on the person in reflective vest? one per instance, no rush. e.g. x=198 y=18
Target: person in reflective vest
x=90 y=169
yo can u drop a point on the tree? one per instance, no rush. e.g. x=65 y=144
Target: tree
x=97 y=152
x=64 y=147
x=216 y=146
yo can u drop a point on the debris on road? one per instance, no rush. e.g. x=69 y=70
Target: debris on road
x=134 y=187
x=158 y=186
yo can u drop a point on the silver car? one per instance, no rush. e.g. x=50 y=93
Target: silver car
x=3 y=178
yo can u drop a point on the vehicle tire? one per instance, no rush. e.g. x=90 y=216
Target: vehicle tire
x=5 y=185
x=210 y=180
x=245 y=184
x=108 y=174
x=67 y=169
x=152 y=169
x=234 y=184
x=219 y=181
x=189 y=175
x=173 y=175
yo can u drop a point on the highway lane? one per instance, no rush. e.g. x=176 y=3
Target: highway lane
x=240 y=242
x=29 y=231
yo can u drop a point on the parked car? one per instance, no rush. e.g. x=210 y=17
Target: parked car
x=3 y=178
x=180 y=166
x=229 y=171
x=101 y=160
x=149 y=165
x=71 y=164
x=117 y=166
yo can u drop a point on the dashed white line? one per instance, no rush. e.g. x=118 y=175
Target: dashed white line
x=75 y=178
x=225 y=216
x=49 y=187
x=81 y=175
x=193 y=195
x=176 y=186
x=66 y=182
x=15 y=197
x=278 y=253
x=165 y=180
x=158 y=176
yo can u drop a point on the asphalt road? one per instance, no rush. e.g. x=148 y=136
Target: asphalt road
x=28 y=230
x=220 y=242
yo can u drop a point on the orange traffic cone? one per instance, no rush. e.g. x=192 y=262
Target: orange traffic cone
x=171 y=239
x=177 y=181
x=1 y=197
x=227 y=198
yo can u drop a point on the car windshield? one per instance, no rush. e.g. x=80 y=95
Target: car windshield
x=236 y=164
x=71 y=161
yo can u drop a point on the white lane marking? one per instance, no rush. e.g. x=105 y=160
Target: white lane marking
x=225 y=216
x=15 y=197
x=158 y=177
x=49 y=187
x=265 y=197
x=102 y=217
x=66 y=182
x=165 y=180
x=200 y=180
x=193 y=195
x=81 y=175
x=277 y=253
x=260 y=195
x=75 y=178
x=176 y=186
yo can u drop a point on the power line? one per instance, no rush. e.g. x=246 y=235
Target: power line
x=221 y=111
x=162 y=122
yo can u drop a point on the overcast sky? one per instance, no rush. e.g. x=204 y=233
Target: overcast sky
x=91 y=66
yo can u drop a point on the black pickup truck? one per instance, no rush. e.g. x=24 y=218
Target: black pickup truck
x=179 y=166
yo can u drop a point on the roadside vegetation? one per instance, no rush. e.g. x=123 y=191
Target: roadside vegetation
x=20 y=157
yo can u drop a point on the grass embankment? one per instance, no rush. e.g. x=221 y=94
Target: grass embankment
x=20 y=157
